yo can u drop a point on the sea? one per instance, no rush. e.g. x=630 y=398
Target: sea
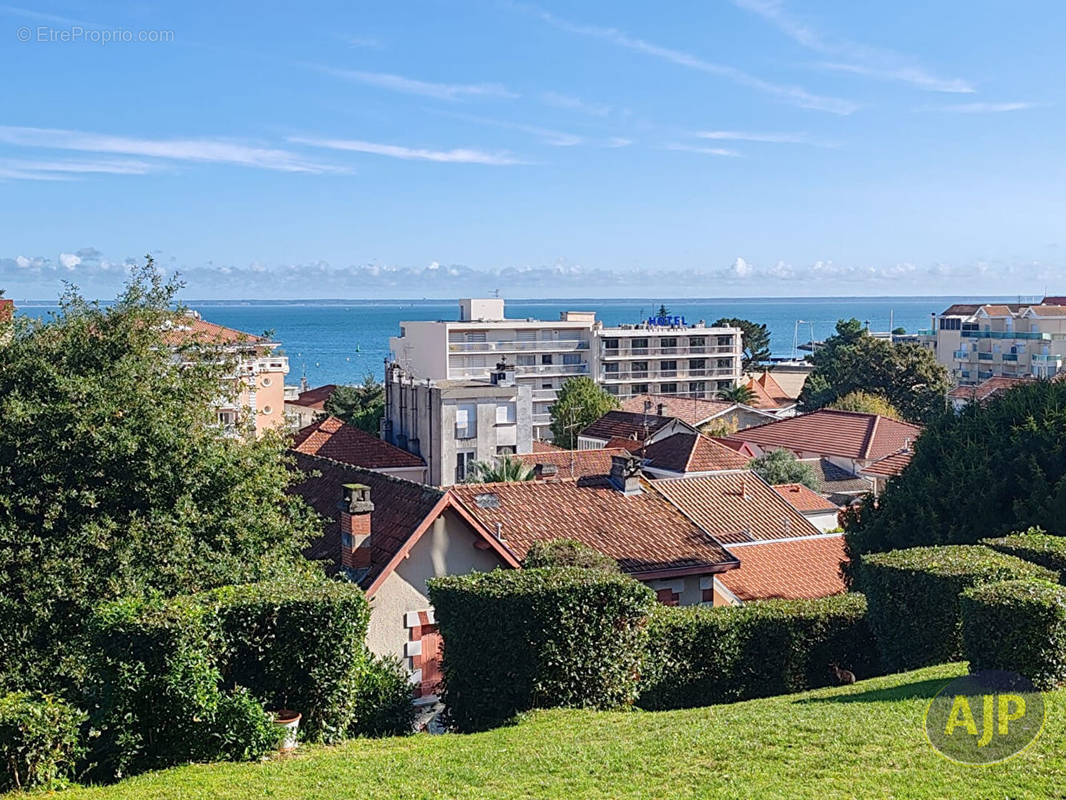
x=341 y=341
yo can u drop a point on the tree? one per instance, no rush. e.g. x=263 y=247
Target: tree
x=741 y=393
x=579 y=402
x=663 y=310
x=755 y=338
x=900 y=331
x=362 y=406
x=504 y=469
x=115 y=479
x=781 y=466
x=866 y=402
x=996 y=467
x=907 y=375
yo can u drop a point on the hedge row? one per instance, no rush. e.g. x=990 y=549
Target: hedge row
x=39 y=741
x=515 y=640
x=913 y=596
x=701 y=656
x=1017 y=626
x=189 y=679
x=1033 y=545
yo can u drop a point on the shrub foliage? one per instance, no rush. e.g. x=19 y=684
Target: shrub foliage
x=516 y=640
x=1018 y=626
x=567 y=553
x=1033 y=545
x=39 y=740
x=700 y=656
x=913 y=598
x=383 y=704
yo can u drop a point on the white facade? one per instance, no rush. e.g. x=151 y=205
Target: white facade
x=672 y=358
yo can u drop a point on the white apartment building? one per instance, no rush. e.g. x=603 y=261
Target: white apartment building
x=976 y=342
x=655 y=356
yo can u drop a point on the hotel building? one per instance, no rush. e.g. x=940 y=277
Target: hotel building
x=975 y=342
x=656 y=356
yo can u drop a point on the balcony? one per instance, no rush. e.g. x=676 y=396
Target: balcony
x=1010 y=356
x=544 y=394
x=961 y=355
x=542 y=419
x=516 y=346
x=1042 y=358
x=660 y=375
x=523 y=370
x=681 y=350
x=984 y=356
x=1006 y=335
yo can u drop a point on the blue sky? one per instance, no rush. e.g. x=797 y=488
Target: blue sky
x=435 y=149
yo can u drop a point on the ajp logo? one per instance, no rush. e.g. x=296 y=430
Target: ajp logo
x=985 y=717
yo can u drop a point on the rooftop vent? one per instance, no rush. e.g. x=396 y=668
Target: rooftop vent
x=547 y=470
x=487 y=500
x=625 y=474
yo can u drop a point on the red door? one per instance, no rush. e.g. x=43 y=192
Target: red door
x=431 y=673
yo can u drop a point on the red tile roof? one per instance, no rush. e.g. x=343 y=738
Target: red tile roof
x=987 y=388
x=625 y=425
x=768 y=393
x=573 y=464
x=889 y=466
x=189 y=328
x=692 y=452
x=643 y=532
x=545 y=447
x=830 y=432
x=314 y=398
x=399 y=508
x=7 y=309
x=743 y=448
x=792 y=570
x=735 y=507
x=623 y=443
x=1054 y=300
x=803 y=499
x=692 y=410
x=331 y=438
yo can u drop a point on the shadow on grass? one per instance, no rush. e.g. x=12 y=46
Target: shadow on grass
x=924 y=690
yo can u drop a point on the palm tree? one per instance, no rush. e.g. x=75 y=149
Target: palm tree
x=741 y=393
x=505 y=469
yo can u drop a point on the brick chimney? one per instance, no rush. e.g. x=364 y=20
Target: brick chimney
x=355 y=508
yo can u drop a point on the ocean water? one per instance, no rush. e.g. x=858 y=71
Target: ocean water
x=341 y=341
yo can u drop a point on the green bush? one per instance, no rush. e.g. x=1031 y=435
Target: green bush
x=294 y=643
x=39 y=740
x=157 y=684
x=241 y=729
x=699 y=655
x=1034 y=545
x=913 y=598
x=1017 y=626
x=567 y=553
x=383 y=704
x=515 y=640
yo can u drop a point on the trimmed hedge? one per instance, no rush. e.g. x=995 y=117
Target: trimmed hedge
x=913 y=598
x=700 y=656
x=383 y=704
x=1017 y=626
x=295 y=643
x=39 y=740
x=567 y=553
x=516 y=640
x=1034 y=545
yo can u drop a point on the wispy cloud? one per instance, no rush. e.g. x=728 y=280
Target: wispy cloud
x=547 y=135
x=791 y=94
x=368 y=42
x=706 y=151
x=982 y=108
x=571 y=103
x=455 y=156
x=405 y=85
x=192 y=150
x=33 y=170
x=772 y=138
x=16 y=11
x=873 y=62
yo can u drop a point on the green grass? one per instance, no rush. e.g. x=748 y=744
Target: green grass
x=863 y=741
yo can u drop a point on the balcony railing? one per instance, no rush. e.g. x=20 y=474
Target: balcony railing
x=1005 y=335
x=961 y=355
x=984 y=356
x=683 y=350
x=523 y=369
x=544 y=394
x=1010 y=356
x=653 y=375
x=542 y=419
x=516 y=346
x=1044 y=358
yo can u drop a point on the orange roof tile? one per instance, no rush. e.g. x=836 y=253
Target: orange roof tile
x=692 y=452
x=803 y=499
x=735 y=507
x=314 y=398
x=891 y=465
x=573 y=464
x=797 y=569
x=331 y=438
x=643 y=532
x=189 y=328
x=692 y=410
x=850 y=434
x=987 y=388
x=545 y=447
x=7 y=309
x=626 y=425
x=768 y=393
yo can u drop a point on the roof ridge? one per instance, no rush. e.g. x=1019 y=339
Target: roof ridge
x=871 y=435
x=382 y=475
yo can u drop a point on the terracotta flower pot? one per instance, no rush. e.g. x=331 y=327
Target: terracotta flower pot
x=289 y=723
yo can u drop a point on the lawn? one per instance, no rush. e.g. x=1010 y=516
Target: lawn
x=863 y=741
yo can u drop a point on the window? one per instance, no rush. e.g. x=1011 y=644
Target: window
x=950 y=323
x=610 y=344
x=610 y=367
x=505 y=414
x=526 y=360
x=640 y=388
x=698 y=388
x=697 y=342
x=697 y=364
x=571 y=358
x=639 y=369
x=466 y=421
x=668 y=388
x=463 y=460
x=668 y=345
x=476 y=337
x=266 y=381
x=668 y=368
x=547 y=385
x=546 y=358
x=611 y=388
x=505 y=450
x=639 y=347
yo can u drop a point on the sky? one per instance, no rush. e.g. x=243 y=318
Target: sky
x=721 y=148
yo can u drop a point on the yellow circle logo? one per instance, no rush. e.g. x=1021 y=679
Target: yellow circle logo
x=985 y=718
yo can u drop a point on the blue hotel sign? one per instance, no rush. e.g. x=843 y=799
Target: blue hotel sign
x=667 y=322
